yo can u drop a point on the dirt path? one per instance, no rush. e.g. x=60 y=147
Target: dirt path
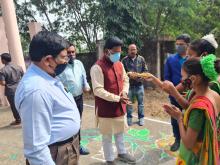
x=149 y=144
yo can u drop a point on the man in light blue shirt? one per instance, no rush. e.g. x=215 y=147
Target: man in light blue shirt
x=75 y=82
x=49 y=115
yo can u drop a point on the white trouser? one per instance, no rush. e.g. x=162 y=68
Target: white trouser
x=108 y=148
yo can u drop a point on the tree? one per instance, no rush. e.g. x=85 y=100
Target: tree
x=80 y=21
x=122 y=19
x=173 y=17
x=85 y=21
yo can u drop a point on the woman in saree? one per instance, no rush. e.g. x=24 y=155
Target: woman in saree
x=198 y=48
x=199 y=145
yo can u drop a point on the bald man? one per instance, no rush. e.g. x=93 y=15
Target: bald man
x=135 y=63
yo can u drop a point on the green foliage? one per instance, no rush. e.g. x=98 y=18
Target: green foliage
x=195 y=17
x=78 y=20
x=24 y=15
x=151 y=19
x=122 y=19
x=85 y=22
x=82 y=21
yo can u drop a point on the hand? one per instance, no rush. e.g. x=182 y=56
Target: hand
x=168 y=87
x=125 y=100
x=132 y=75
x=148 y=77
x=124 y=94
x=87 y=90
x=173 y=111
x=139 y=79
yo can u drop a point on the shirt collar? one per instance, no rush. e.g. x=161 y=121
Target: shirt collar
x=180 y=57
x=43 y=74
x=133 y=58
x=9 y=63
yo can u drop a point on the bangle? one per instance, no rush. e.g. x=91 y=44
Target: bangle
x=179 y=120
x=178 y=98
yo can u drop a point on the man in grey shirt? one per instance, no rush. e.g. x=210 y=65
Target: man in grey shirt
x=10 y=75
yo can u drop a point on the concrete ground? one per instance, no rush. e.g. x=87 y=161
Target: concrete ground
x=149 y=143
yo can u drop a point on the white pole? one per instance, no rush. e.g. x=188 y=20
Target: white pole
x=12 y=32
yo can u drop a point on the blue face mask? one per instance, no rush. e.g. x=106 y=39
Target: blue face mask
x=180 y=49
x=115 y=57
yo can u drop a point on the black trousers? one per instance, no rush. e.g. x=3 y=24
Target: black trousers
x=174 y=122
x=79 y=104
x=13 y=108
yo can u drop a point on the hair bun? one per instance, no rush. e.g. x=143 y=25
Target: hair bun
x=208 y=66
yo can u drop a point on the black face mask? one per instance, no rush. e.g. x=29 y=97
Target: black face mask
x=71 y=59
x=60 y=68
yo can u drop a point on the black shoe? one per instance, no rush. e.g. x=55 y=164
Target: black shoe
x=175 y=146
x=83 y=151
x=16 y=122
x=127 y=158
x=110 y=163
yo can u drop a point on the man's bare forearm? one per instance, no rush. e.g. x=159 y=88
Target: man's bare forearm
x=2 y=83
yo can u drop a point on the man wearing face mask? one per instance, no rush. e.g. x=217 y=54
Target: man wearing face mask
x=49 y=115
x=172 y=72
x=110 y=86
x=133 y=62
x=74 y=81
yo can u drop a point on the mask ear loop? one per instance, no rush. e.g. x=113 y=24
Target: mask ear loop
x=53 y=60
x=109 y=52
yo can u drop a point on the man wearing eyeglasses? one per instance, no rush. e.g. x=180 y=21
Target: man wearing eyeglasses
x=74 y=80
x=49 y=115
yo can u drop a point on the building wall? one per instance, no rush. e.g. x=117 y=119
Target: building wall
x=88 y=60
x=148 y=51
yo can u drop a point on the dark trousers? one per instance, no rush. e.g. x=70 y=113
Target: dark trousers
x=13 y=108
x=65 y=154
x=79 y=104
x=174 y=122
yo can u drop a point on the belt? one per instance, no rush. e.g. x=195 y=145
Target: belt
x=70 y=140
